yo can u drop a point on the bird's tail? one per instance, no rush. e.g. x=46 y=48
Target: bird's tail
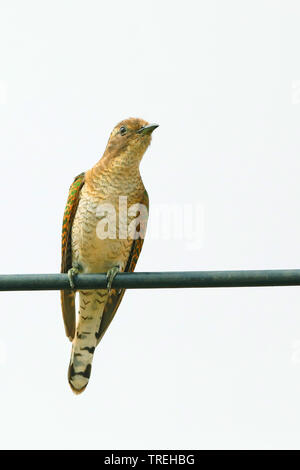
x=84 y=343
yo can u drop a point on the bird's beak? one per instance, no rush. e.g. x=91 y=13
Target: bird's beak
x=147 y=129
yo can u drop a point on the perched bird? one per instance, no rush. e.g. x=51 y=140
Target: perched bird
x=85 y=249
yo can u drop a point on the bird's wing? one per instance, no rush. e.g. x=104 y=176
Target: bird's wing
x=68 y=296
x=116 y=296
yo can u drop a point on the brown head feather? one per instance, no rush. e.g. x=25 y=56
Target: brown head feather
x=127 y=145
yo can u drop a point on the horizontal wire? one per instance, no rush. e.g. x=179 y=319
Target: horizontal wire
x=153 y=280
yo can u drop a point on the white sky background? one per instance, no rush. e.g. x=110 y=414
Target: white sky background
x=209 y=368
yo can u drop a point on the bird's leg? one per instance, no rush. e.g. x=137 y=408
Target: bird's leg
x=110 y=275
x=73 y=272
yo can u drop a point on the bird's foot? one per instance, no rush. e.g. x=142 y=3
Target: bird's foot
x=71 y=273
x=110 y=275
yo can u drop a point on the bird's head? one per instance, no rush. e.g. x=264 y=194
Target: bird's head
x=129 y=140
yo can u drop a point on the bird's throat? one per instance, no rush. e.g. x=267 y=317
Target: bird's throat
x=120 y=176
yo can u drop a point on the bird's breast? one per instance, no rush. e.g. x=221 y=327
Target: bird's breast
x=102 y=231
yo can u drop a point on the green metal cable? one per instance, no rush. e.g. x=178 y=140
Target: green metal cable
x=153 y=280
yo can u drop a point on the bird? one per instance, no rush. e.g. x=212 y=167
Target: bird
x=88 y=246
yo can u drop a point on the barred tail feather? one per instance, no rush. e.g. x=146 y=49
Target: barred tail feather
x=85 y=341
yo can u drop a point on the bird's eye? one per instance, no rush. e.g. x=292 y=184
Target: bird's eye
x=123 y=130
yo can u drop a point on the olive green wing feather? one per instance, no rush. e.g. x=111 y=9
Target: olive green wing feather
x=68 y=296
x=116 y=296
